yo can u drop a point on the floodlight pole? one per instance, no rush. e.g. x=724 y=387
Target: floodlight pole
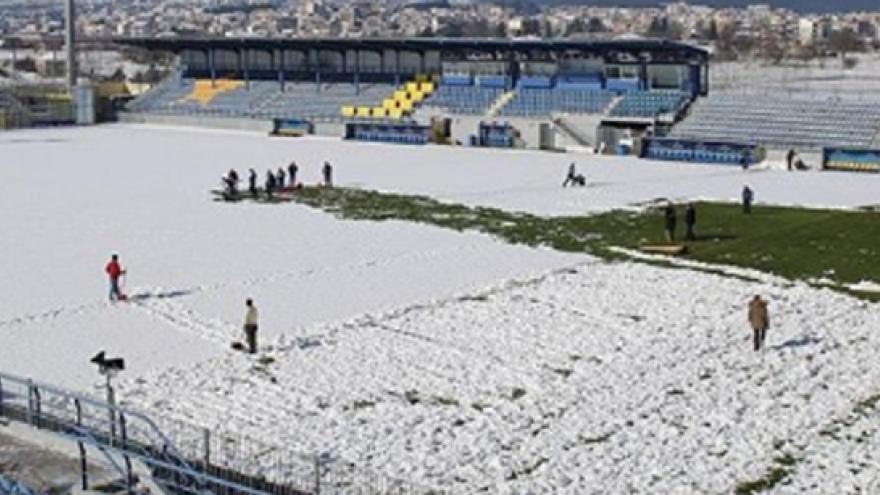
x=70 y=41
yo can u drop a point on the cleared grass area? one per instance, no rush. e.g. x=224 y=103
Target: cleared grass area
x=831 y=247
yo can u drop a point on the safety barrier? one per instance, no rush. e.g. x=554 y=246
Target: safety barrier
x=851 y=159
x=685 y=150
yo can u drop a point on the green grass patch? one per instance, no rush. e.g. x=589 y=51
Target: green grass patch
x=840 y=246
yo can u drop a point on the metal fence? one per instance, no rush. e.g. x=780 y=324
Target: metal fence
x=187 y=458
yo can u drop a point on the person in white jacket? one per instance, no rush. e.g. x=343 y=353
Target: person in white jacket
x=251 y=325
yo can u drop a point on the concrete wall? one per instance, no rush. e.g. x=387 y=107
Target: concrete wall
x=198 y=121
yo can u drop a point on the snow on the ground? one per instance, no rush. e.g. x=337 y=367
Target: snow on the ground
x=632 y=379
x=445 y=358
x=71 y=197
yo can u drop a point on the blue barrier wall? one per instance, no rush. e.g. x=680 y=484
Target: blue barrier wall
x=688 y=150
x=850 y=159
x=388 y=132
x=292 y=127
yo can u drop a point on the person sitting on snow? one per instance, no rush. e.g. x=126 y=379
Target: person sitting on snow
x=574 y=178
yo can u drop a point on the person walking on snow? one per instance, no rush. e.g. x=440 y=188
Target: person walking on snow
x=759 y=319
x=327 y=170
x=669 y=214
x=748 y=196
x=114 y=271
x=250 y=326
x=252 y=183
x=292 y=169
x=690 y=219
x=280 y=177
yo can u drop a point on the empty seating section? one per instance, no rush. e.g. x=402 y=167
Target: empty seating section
x=538 y=102
x=303 y=100
x=649 y=104
x=471 y=100
x=782 y=121
x=261 y=99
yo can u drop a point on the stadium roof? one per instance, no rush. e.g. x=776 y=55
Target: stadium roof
x=651 y=48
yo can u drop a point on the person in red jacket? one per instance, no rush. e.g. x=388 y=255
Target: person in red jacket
x=114 y=271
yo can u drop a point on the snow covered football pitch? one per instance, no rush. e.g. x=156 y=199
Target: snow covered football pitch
x=450 y=359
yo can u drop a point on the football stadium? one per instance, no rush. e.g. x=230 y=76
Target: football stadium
x=520 y=266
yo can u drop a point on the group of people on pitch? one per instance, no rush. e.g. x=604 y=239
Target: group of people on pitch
x=670 y=218
x=276 y=181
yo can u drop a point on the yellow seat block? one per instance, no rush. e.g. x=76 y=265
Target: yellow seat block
x=389 y=103
x=395 y=113
x=400 y=95
x=379 y=112
x=427 y=87
x=412 y=87
x=348 y=111
x=417 y=96
x=363 y=111
x=406 y=106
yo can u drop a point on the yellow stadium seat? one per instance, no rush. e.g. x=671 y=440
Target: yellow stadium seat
x=427 y=87
x=417 y=96
x=348 y=111
x=379 y=112
x=389 y=103
x=204 y=91
x=400 y=95
x=363 y=112
x=412 y=87
x=395 y=113
x=406 y=106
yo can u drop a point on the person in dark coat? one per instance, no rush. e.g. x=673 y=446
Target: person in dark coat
x=252 y=183
x=759 y=318
x=789 y=158
x=231 y=181
x=669 y=214
x=292 y=169
x=327 y=171
x=279 y=178
x=748 y=196
x=270 y=183
x=690 y=219
x=570 y=178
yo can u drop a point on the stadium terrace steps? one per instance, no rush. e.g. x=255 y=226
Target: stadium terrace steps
x=542 y=102
x=649 y=104
x=782 y=121
x=466 y=100
x=259 y=99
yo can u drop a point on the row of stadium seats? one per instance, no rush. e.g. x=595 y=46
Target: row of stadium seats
x=260 y=99
x=542 y=102
x=782 y=121
x=649 y=104
x=401 y=103
x=469 y=100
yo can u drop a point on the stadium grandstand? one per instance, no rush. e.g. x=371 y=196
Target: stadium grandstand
x=336 y=81
x=783 y=122
x=550 y=94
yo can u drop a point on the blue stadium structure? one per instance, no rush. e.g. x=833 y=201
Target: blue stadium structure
x=316 y=78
